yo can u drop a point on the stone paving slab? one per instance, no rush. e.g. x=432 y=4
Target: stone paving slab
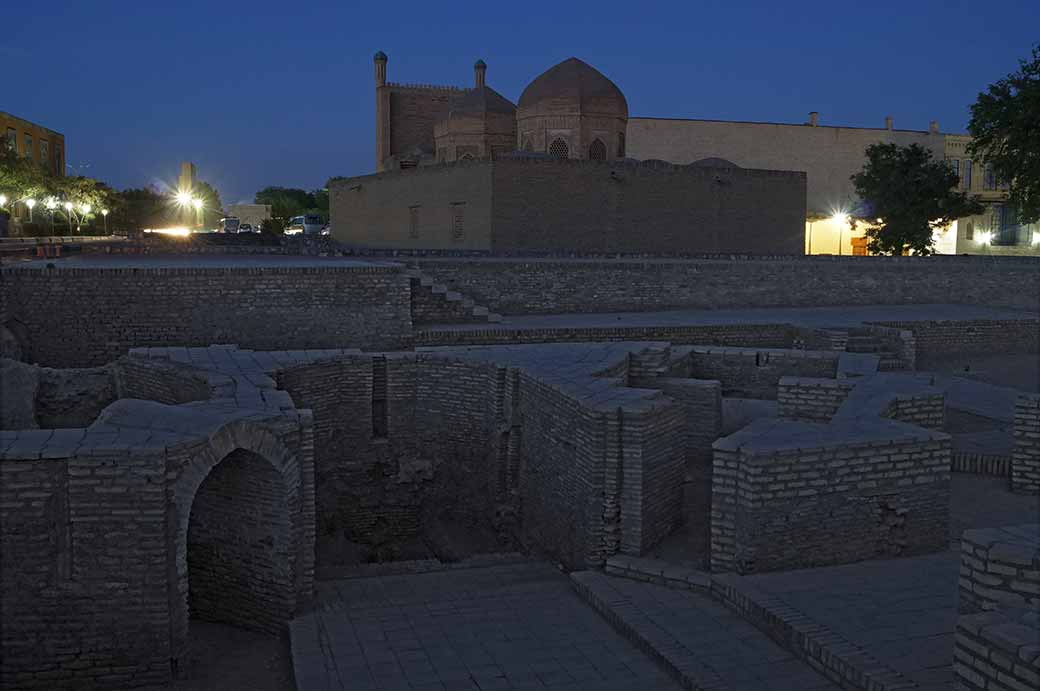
x=704 y=644
x=518 y=626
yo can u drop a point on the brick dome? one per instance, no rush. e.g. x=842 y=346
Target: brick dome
x=576 y=87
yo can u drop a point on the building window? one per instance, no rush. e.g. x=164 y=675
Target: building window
x=457 y=219
x=989 y=180
x=559 y=149
x=45 y=153
x=955 y=166
x=969 y=230
x=28 y=150
x=413 y=222
x=621 y=145
x=967 y=173
x=12 y=139
x=59 y=162
x=597 y=151
x=1005 y=225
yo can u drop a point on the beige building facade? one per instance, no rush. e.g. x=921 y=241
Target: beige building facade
x=43 y=145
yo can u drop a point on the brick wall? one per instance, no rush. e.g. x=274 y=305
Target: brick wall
x=813 y=399
x=607 y=207
x=974 y=336
x=756 y=373
x=924 y=409
x=997 y=651
x=545 y=286
x=155 y=380
x=811 y=495
x=1000 y=567
x=751 y=335
x=89 y=316
x=1025 y=459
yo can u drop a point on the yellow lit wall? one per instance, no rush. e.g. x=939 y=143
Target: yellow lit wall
x=829 y=236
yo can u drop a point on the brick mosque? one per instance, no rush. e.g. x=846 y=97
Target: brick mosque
x=280 y=442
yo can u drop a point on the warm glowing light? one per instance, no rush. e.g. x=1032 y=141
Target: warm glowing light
x=3 y=199
x=985 y=237
x=183 y=198
x=880 y=221
x=85 y=208
x=68 y=206
x=1036 y=237
x=50 y=203
x=178 y=231
x=197 y=203
x=840 y=217
x=30 y=203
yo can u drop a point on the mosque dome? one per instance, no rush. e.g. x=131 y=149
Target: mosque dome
x=576 y=87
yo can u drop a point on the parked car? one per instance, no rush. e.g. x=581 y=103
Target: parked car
x=245 y=228
x=306 y=225
x=326 y=229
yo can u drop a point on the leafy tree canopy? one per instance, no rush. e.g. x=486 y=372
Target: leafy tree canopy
x=287 y=202
x=911 y=195
x=1005 y=130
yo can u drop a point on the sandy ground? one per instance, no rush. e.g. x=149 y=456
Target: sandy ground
x=225 y=658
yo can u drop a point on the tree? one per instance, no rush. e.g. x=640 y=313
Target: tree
x=20 y=177
x=1005 y=130
x=285 y=202
x=142 y=208
x=905 y=197
x=212 y=206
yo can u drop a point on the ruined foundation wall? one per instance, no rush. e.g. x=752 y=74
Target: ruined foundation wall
x=755 y=373
x=1025 y=459
x=811 y=398
x=1000 y=567
x=997 y=651
x=832 y=504
x=975 y=336
x=546 y=286
x=90 y=316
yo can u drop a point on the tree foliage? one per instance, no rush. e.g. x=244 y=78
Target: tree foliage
x=911 y=194
x=1005 y=130
x=287 y=202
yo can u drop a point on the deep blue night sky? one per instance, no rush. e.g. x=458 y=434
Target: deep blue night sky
x=281 y=93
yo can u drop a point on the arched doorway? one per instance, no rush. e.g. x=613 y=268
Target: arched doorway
x=239 y=545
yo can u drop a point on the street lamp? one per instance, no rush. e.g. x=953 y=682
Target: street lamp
x=50 y=203
x=197 y=203
x=68 y=215
x=30 y=203
x=104 y=215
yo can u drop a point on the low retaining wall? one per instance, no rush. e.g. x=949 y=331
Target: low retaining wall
x=997 y=651
x=972 y=336
x=756 y=372
x=1025 y=459
x=811 y=399
x=1000 y=567
x=749 y=335
x=800 y=494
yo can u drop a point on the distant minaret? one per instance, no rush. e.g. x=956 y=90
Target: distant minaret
x=382 y=111
x=186 y=180
x=479 y=69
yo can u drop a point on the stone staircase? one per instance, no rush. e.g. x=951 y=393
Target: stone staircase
x=433 y=303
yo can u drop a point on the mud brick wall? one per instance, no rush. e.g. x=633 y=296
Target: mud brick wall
x=652 y=467
x=429 y=307
x=1000 y=567
x=554 y=286
x=750 y=373
x=1025 y=459
x=926 y=410
x=748 y=335
x=78 y=317
x=809 y=398
x=833 y=504
x=997 y=651
x=155 y=380
x=84 y=608
x=901 y=342
x=975 y=336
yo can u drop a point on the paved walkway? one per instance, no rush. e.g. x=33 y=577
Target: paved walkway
x=815 y=317
x=701 y=640
x=505 y=627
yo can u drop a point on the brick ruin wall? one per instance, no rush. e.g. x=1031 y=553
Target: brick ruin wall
x=79 y=317
x=1025 y=459
x=755 y=373
x=997 y=651
x=401 y=440
x=997 y=645
x=811 y=399
x=833 y=504
x=546 y=286
x=973 y=336
x=100 y=595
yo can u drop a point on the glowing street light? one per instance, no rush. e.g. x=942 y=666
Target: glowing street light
x=104 y=215
x=30 y=203
x=183 y=198
x=68 y=215
x=3 y=199
x=1036 y=237
x=985 y=237
x=85 y=208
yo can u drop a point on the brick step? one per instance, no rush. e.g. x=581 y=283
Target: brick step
x=459 y=308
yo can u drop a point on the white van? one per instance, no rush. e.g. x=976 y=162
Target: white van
x=307 y=225
x=229 y=224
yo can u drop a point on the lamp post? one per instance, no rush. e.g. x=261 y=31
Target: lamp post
x=50 y=204
x=30 y=203
x=104 y=215
x=68 y=215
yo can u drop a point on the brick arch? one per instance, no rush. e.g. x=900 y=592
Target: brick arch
x=246 y=443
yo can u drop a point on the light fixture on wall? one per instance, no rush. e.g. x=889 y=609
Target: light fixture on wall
x=1036 y=237
x=985 y=237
